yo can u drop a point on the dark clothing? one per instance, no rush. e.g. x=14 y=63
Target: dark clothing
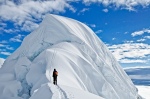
x=54 y=74
x=55 y=80
x=55 y=77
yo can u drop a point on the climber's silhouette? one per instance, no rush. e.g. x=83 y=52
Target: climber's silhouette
x=55 y=74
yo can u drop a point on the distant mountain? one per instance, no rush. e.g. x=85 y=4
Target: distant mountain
x=141 y=78
x=86 y=68
x=139 y=75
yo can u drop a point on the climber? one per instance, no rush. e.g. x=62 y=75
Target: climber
x=55 y=74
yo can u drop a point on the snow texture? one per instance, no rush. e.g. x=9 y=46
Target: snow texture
x=1 y=62
x=87 y=69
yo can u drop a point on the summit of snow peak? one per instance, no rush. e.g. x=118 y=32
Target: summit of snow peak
x=83 y=61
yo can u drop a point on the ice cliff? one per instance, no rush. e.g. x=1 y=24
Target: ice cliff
x=87 y=69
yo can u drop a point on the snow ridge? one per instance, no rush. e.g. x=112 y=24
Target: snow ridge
x=84 y=64
x=63 y=93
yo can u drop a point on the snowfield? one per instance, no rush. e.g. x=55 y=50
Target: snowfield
x=144 y=91
x=87 y=69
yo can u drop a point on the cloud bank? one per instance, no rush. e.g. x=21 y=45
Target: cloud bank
x=131 y=52
x=27 y=12
x=141 y=32
x=123 y=4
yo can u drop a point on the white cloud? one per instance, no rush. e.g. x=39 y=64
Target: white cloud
x=141 y=32
x=98 y=31
x=105 y=10
x=92 y=25
x=113 y=38
x=17 y=38
x=136 y=52
x=10 y=31
x=124 y=4
x=5 y=53
x=141 y=40
x=29 y=26
x=9 y=48
x=1 y=61
x=128 y=41
x=3 y=42
x=106 y=23
x=132 y=61
x=135 y=68
x=3 y=24
x=126 y=32
x=83 y=10
x=147 y=37
x=20 y=11
x=1 y=45
x=23 y=11
x=4 y=47
x=137 y=33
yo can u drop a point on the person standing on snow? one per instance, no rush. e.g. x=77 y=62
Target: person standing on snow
x=55 y=74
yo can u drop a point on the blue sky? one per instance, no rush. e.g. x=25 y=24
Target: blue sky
x=123 y=25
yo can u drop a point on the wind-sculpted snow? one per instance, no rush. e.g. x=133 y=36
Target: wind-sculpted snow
x=84 y=63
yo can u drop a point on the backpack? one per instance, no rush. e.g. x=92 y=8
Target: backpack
x=56 y=73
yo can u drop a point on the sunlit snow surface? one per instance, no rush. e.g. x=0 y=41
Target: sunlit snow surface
x=141 y=78
x=1 y=62
x=86 y=67
x=144 y=91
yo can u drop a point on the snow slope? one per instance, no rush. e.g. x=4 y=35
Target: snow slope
x=62 y=92
x=1 y=62
x=81 y=58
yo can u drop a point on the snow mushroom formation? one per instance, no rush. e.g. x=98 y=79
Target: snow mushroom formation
x=87 y=69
